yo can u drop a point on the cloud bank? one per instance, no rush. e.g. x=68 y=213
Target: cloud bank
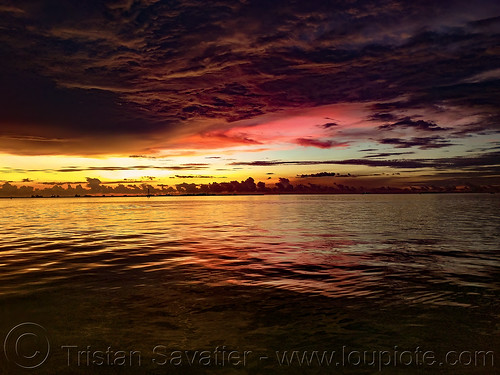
x=138 y=77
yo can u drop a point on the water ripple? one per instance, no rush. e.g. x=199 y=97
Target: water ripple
x=355 y=246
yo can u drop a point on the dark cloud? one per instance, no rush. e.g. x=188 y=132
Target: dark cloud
x=320 y=174
x=328 y=143
x=411 y=164
x=192 y=166
x=91 y=187
x=187 y=166
x=328 y=125
x=424 y=143
x=458 y=162
x=94 y=184
x=407 y=122
x=386 y=154
x=87 y=77
x=95 y=187
x=381 y=116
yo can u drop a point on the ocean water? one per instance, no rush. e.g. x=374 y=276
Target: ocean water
x=286 y=284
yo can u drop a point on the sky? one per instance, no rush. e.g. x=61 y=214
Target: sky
x=111 y=96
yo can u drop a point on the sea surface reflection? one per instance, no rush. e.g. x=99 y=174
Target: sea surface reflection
x=257 y=273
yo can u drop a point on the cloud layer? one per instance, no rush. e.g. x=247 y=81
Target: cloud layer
x=123 y=77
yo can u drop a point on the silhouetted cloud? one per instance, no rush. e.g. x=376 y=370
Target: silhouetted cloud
x=318 y=143
x=373 y=163
x=407 y=122
x=421 y=142
x=458 y=162
x=328 y=125
x=320 y=174
x=386 y=154
x=95 y=187
x=187 y=166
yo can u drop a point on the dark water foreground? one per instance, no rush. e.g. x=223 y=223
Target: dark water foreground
x=251 y=285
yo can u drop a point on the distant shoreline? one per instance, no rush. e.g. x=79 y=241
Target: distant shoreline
x=246 y=194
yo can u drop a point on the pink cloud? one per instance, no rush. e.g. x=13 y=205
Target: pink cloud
x=305 y=127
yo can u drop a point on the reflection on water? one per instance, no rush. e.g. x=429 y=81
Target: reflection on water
x=258 y=272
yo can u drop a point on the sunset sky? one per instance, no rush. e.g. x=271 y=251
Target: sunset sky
x=353 y=92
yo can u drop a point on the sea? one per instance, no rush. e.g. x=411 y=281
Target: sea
x=251 y=284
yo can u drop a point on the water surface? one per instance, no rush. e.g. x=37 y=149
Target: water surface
x=256 y=273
